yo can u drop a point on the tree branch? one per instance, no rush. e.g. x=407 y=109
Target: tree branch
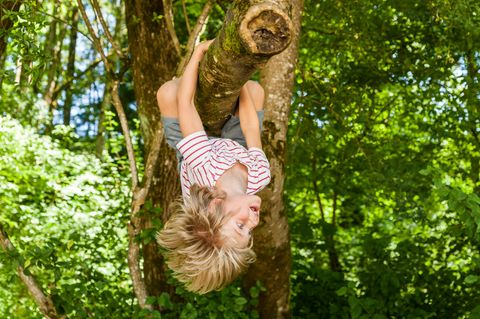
x=70 y=80
x=253 y=31
x=334 y=210
x=95 y=39
x=117 y=103
x=44 y=303
x=187 y=22
x=134 y=228
x=139 y=194
x=194 y=36
x=167 y=10
x=315 y=188
x=117 y=49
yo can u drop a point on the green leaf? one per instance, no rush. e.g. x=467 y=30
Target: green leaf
x=475 y=313
x=471 y=279
x=240 y=301
x=164 y=301
x=342 y=291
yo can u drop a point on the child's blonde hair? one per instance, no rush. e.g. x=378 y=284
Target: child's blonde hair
x=200 y=254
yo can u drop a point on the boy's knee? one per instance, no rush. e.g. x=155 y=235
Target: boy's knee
x=167 y=98
x=257 y=93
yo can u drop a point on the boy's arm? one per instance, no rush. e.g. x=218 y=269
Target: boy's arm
x=188 y=117
x=249 y=119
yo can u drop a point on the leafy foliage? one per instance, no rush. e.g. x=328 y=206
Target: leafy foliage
x=388 y=188
x=66 y=214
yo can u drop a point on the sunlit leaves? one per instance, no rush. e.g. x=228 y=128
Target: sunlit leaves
x=65 y=212
x=382 y=123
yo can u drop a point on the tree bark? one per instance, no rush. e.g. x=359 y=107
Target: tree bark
x=272 y=239
x=252 y=32
x=6 y=23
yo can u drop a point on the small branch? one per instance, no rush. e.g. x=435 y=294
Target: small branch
x=194 y=36
x=95 y=39
x=66 y=23
x=167 y=9
x=187 y=21
x=117 y=103
x=135 y=273
x=70 y=80
x=43 y=302
x=139 y=194
x=315 y=188
x=139 y=197
x=334 y=211
x=96 y=7
x=152 y=161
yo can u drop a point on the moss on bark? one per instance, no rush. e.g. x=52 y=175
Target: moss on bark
x=253 y=31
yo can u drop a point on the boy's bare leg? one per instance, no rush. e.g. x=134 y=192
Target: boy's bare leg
x=167 y=98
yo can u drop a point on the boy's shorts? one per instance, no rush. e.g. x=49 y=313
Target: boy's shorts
x=230 y=130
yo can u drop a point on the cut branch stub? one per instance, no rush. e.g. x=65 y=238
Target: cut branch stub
x=265 y=29
x=253 y=31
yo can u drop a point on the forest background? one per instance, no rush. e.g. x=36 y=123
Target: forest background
x=377 y=175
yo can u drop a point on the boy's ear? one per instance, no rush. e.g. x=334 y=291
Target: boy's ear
x=214 y=202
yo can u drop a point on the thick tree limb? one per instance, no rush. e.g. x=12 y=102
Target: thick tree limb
x=253 y=31
x=44 y=302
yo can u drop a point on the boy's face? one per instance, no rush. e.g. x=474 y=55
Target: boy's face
x=244 y=211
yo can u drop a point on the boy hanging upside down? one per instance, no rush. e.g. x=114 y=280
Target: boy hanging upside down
x=208 y=237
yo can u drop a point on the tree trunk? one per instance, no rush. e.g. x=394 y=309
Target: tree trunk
x=272 y=240
x=6 y=23
x=252 y=32
x=67 y=108
x=154 y=61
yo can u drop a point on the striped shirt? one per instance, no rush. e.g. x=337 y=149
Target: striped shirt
x=205 y=160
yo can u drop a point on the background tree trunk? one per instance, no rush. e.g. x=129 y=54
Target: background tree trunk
x=272 y=240
x=67 y=107
x=154 y=61
x=6 y=23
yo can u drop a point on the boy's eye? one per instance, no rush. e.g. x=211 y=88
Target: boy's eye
x=240 y=226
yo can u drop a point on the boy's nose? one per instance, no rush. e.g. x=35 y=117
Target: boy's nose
x=254 y=218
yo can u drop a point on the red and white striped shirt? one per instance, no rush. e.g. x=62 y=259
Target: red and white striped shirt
x=205 y=160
